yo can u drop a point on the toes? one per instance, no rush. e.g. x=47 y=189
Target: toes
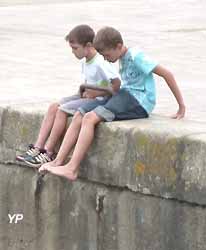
x=43 y=168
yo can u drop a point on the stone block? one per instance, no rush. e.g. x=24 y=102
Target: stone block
x=20 y=128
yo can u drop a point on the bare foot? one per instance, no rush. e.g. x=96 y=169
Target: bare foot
x=64 y=171
x=46 y=165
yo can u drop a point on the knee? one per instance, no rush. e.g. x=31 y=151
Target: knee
x=91 y=118
x=77 y=118
x=61 y=114
x=53 y=108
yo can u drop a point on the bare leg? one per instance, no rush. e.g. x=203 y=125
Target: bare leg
x=70 y=170
x=57 y=130
x=46 y=125
x=70 y=139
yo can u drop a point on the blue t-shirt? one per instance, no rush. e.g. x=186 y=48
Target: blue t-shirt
x=137 y=78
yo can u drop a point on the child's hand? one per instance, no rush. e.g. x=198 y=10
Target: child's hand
x=180 y=113
x=88 y=93
x=84 y=94
x=91 y=93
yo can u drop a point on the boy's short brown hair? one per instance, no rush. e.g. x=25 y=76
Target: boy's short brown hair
x=107 y=38
x=81 y=34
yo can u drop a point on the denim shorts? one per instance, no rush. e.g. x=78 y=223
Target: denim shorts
x=121 y=106
x=93 y=104
x=71 y=104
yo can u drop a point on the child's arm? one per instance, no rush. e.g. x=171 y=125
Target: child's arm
x=92 y=91
x=96 y=88
x=116 y=82
x=171 y=82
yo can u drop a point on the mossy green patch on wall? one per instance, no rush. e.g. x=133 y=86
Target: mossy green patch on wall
x=24 y=131
x=139 y=168
x=157 y=157
x=20 y=128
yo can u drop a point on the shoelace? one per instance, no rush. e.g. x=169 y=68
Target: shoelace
x=42 y=158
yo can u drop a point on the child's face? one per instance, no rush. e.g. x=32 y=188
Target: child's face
x=111 y=55
x=78 y=50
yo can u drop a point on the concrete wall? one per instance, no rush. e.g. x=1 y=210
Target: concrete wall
x=141 y=187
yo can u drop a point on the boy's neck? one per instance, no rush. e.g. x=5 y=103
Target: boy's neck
x=91 y=54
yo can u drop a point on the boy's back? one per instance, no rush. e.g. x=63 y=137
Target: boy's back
x=137 y=78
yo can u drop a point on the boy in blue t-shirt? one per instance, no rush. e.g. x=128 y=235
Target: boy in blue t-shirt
x=136 y=99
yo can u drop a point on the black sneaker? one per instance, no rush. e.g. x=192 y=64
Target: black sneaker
x=38 y=160
x=32 y=151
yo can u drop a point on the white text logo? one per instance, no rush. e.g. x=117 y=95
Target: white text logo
x=15 y=218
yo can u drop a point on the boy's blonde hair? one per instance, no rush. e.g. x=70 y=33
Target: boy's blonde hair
x=107 y=38
x=81 y=34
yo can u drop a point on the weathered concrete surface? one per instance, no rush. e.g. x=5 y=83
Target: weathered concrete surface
x=59 y=215
x=54 y=212
x=112 y=205
x=157 y=156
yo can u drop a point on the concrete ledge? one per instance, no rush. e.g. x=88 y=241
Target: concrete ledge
x=157 y=156
x=112 y=205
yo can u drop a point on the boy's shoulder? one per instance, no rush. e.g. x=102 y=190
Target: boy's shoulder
x=95 y=61
x=99 y=64
x=138 y=56
x=134 y=52
x=102 y=63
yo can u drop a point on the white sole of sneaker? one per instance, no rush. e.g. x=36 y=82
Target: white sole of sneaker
x=32 y=165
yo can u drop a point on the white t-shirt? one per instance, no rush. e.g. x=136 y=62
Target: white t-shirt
x=98 y=71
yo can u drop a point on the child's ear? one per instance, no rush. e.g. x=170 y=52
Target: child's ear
x=119 y=46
